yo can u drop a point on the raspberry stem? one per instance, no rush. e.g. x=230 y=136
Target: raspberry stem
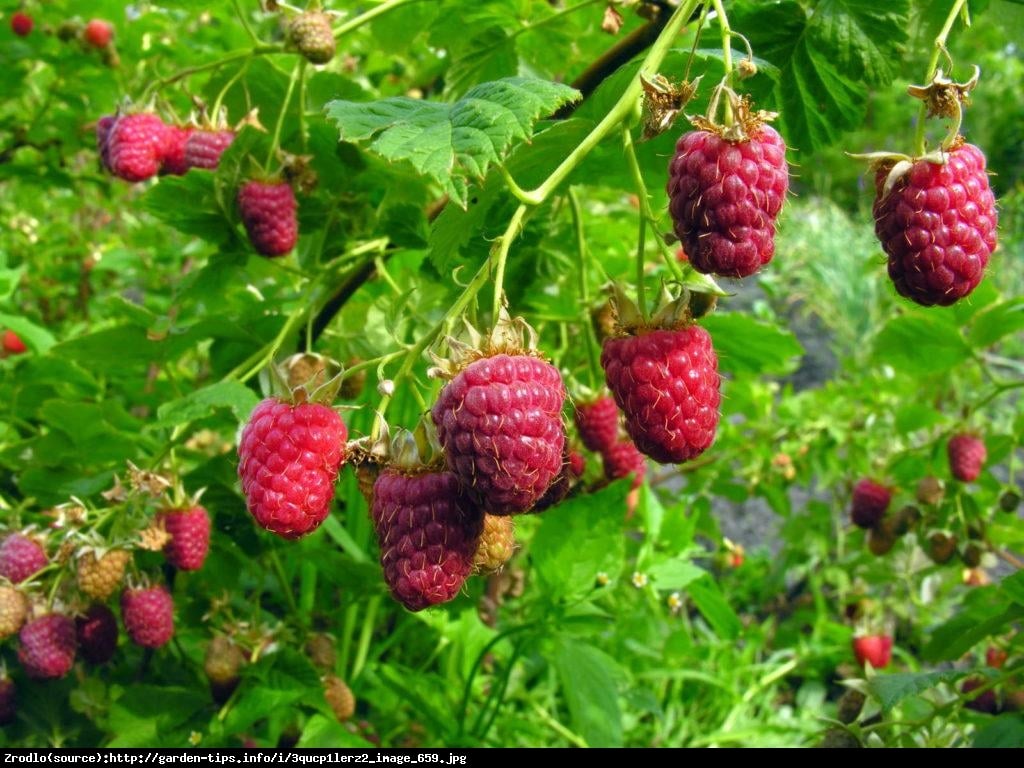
x=581 y=256
x=515 y=226
x=723 y=23
x=938 y=47
x=276 y=140
x=641 y=293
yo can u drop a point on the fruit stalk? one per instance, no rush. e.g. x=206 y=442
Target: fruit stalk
x=515 y=226
x=370 y=15
x=723 y=23
x=933 y=63
x=641 y=291
x=581 y=257
x=276 y=140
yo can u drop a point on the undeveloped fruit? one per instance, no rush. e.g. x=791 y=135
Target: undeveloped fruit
x=869 y=503
x=339 y=698
x=941 y=548
x=321 y=651
x=13 y=610
x=311 y=35
x=99 y=578
x=96 y=631
x=497 y=544
x=930 y=490
x=223 y=664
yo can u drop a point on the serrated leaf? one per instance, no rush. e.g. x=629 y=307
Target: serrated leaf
x=196 y=405
x=588 y=685
x=890 y=690
x=1003 y=732
x=972 y=625
x=745 y=345
x=920 y=344
x=713 y=607
x=997 y=321
x=864 y=36
x=452 y=143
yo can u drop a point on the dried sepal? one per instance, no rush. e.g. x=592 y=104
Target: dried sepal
x=509 y=336
x=942 y=96
x=746 y=120
x=663 y=100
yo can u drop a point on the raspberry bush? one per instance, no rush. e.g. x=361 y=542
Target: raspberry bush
x=485 y=373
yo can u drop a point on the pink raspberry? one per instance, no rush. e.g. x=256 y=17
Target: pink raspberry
x=938 y=226
x=666 y=383
x=869 y=503
x=598 y=423
x=623 y=460
x=289 y=457
x=204 y=148
x=175 y=163
x=967 y=456
x=724 y=197
x=96 y=630
x=137 y=145
x=21 y=557
x=148 y=616
x=268 y=212
x=189 y=530
x=47 y=646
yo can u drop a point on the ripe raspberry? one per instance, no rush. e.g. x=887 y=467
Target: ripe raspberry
x=137 y=144
x=428 y=533
x=97 y=634
x=869 y=503
x=189 y=530
x=99 y=578
x=876 y=649
x=8 y=701
x=223 y=664
x=497 y=544
x=967 y=455
x=104 y=126
x=268 y=212
x=47 y=646
x=577 y=464
x=938 y=226
x=20 y=558
x=12 y=343
x=724 y=197
x=148 y=615
x=986 y=702
x=666 y=383
x=204 y=148
x=98 y=33
x=13 y=610
x=289 y=457
x=21 y=24
x=311 y=35
x=500 y=422
x=175 y=163
x=623 y=460
x=320 y=649
x=339 y=697
x=598 y=423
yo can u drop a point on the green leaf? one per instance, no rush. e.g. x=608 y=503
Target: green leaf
x=37 y=339
x=1013 y=586
x=997 y=321
x=920 y=344
x=864 y=36
x=890 y=690
x=674 y=574
x=982 y=617
x=579 y=539
x=276 y=681
x=321 y=731
x=1003 y=732
x=452 y=143
x=154 y=716
x=711 y=603
x=588 y=684
x=199 y=404
x=745 y=345
x=201 y=217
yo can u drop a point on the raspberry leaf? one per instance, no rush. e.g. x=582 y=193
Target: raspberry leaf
x=452 y=143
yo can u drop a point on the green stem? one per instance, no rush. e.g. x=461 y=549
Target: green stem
x=370 y=15
x=504 y=244
x=245 y=21
x=581 y=256
x=554 y=17
x=275 y=142
x=723 y=23
x=286 y=586
x=259 y=50
x=365 y=636
x=467 y=690
x=933 y=64
x=53 y=590
x=347 y=628
x=641 y=289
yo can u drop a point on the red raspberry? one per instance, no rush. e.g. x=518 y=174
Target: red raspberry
x=8 y=701
x=289 y=457
x=175 y=163
x=98 y=33
x=869 y=503
x=428 y=532
x=268 y=212
x=21 y=24
x=103 y=128
x=623 y=460
x=12 y=343
x=136 y=146
x=148 y=615
x=666 y=382
x=20 y=558
x=598 y=423
x=204 y=148
x=967 y=456
x=500 y=422
x=876 y=649
x=47 y=646
x=577 y=464
x=97 y=634
x=189 y=530
x=938 y=226
x=724 y=197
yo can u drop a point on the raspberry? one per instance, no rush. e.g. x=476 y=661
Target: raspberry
x=320 y=649
x=189 y=530
x=938 y=226
x=103 y=128
x=268 y=212
x=622 y=460
x=12 y=343
x=21 y=24
x=13 y=610
x=873 y=649
x=941 y=548
x=175 y=163
x=724 y=197
x=98 y=578
x=967 y=456
x=223 y=663
x=666 y=382
x=204 y=148
x=311 y=35
x=47 y=646
x=869 y=503
x=8 y=701
x=98 y=33
x=339 y=697
x=598 y=423
x=20 y=558
x=428 y=533
x=289 y=457
x=986 y=702
x=497 y=544
x=148 y=615
x=500 y=422
x=577 y=464
x=97 y=634
x=136 y=146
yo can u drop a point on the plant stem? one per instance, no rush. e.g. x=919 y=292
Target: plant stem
x=641 y=289
x=933 y=63
x=286 y=585
x=503 y=245
x=370 y=15
x=245 y=21
x=723 y=23
x=581 y=256
x=276 y=140
x=553 y=17
x=181 y=74
x=365 y=636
